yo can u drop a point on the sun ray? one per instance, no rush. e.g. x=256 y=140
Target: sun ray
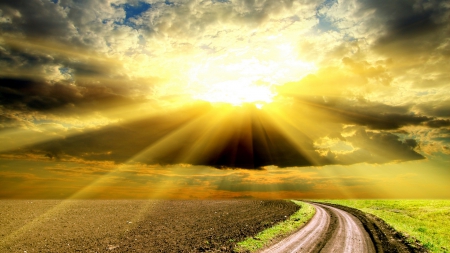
x=295 y=132
x=164 y=147
x=86 y=191
x=217 y=131
x=36 y=133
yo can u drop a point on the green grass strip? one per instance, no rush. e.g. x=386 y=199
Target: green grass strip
x=295 y=221
x=425 y=220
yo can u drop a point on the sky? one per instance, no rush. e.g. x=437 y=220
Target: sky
x=212 y=99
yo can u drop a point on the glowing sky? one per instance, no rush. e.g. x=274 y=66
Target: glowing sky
x=224 y=99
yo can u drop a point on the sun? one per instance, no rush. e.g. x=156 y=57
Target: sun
x=245 y=75
x=233 y=81
x=237 y=92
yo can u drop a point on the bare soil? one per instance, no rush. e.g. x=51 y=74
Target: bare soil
x=133 y=225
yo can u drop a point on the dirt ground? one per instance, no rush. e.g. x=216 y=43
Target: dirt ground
x=134 y=225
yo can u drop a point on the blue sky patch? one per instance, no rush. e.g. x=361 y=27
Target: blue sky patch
x=325 y=24
x=135 y=9
x=169 y=3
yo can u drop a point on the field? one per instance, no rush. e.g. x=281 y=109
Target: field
x=425 y=220
x=133 y=225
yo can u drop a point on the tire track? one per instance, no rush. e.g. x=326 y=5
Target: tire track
x=330 y=230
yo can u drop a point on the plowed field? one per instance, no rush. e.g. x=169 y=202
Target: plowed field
x=133 y=225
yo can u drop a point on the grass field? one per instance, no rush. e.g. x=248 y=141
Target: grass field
x=296 y=220
x=426 y=220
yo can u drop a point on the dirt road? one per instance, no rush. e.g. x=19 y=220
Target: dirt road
x=330 y=230
x=336 y=228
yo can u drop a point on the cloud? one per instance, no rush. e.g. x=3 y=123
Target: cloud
x=440 y=108
x=35 y=18
x=251 y=143
x=361 y=63
x=412 y=35
x=245 y=139
x=358 y=91
x=365 y=146
x=382 y=147
x=190 y=18
x=33 y=95
x=95 y=43
x=363 y=113
x=438 y=123
x=433 y=142
x=9 y=120
x=409 y=27
x=376 y=119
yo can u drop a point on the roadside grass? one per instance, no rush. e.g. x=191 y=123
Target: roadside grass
x=425 y=220
x=297 y=220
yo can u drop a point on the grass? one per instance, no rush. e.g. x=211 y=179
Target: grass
x=295 y=221
x=425 y=220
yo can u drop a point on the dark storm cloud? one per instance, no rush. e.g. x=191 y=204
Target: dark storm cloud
x=408 y=19
x=365 y=113
x=35 y=18
x=36 y=56
x=251 y=144
x=377 y=147
x=410 y=26
x=52 y=56
x=438 y=123
x=42 y=36
x=74 y=22
x=436 y=108
x=118 y=143
x=32 y=95
x=27 y=60
x=26 y=94
x=386 y=145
